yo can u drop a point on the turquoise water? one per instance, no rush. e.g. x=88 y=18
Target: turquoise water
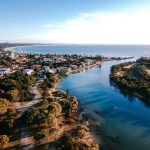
x=126 y=119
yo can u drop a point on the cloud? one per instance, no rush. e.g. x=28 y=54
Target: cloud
x=101 y=28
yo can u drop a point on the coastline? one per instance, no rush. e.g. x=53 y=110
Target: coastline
x=82 y=116
x=71 y=127
x=10 y=48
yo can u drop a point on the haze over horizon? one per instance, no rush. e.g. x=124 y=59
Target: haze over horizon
x=75 y=22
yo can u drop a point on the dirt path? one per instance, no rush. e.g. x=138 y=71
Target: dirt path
x=24 y=106
x=26 y=142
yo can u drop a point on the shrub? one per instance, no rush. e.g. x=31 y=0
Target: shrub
x=4 y=139
x=35 y=115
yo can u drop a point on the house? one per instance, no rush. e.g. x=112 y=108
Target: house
x=4 y=71
x=88 y=61
x=74 y=67
x=28 y=71
x=63 y=60
x=12 y=55
x=50 y=71
x=46 y=59
x=36 y=56
x=83 y=64
x=46 y=67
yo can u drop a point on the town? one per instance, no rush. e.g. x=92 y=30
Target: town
x=40 y=64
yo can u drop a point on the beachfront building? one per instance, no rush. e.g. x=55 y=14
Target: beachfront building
x=74 y=67
x=88 y=61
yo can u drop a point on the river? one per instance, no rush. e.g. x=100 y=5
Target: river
x=126 y=119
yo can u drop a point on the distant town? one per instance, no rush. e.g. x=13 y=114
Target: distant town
x=43 y=63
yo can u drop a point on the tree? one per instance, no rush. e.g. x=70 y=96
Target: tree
x=3 y=103
x=82 y=130
x=12 y=94
x=73 y=107
x=35 y=115
x=59 y=108
x=4 y=139
x=68 y=142
x=52 y=122
x=52 y=109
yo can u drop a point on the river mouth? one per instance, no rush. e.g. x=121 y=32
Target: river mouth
x=125 y=124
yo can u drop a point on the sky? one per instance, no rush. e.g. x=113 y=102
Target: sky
x=75 y=21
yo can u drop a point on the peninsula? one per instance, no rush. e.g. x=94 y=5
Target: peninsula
x=133 y=78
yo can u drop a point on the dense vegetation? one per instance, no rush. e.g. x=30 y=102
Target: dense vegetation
x=16 y=87
x=53 y=114
x=133 y=78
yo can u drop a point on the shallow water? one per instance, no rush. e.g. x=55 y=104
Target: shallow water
x=126 y=119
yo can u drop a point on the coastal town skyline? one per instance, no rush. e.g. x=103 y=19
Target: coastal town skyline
x=75 y=22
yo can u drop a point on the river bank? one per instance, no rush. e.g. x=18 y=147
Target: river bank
x=75 y=129
x=83 y=118
x=133 y=78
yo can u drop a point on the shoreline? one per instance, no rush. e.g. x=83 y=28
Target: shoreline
x=109 y=58
x=10 y=49
x=125 y=72
x=89 y=136
x=81 y=119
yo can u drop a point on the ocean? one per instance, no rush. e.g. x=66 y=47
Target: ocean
x=105 y=50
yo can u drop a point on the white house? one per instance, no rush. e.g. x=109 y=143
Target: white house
x=46 y=59
x=74 y=67
x=12 y=55
x=4 y=71
x=50 y=71
x=63 y=60
x=28 y=71
x=88 y=61
x=46 y=67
